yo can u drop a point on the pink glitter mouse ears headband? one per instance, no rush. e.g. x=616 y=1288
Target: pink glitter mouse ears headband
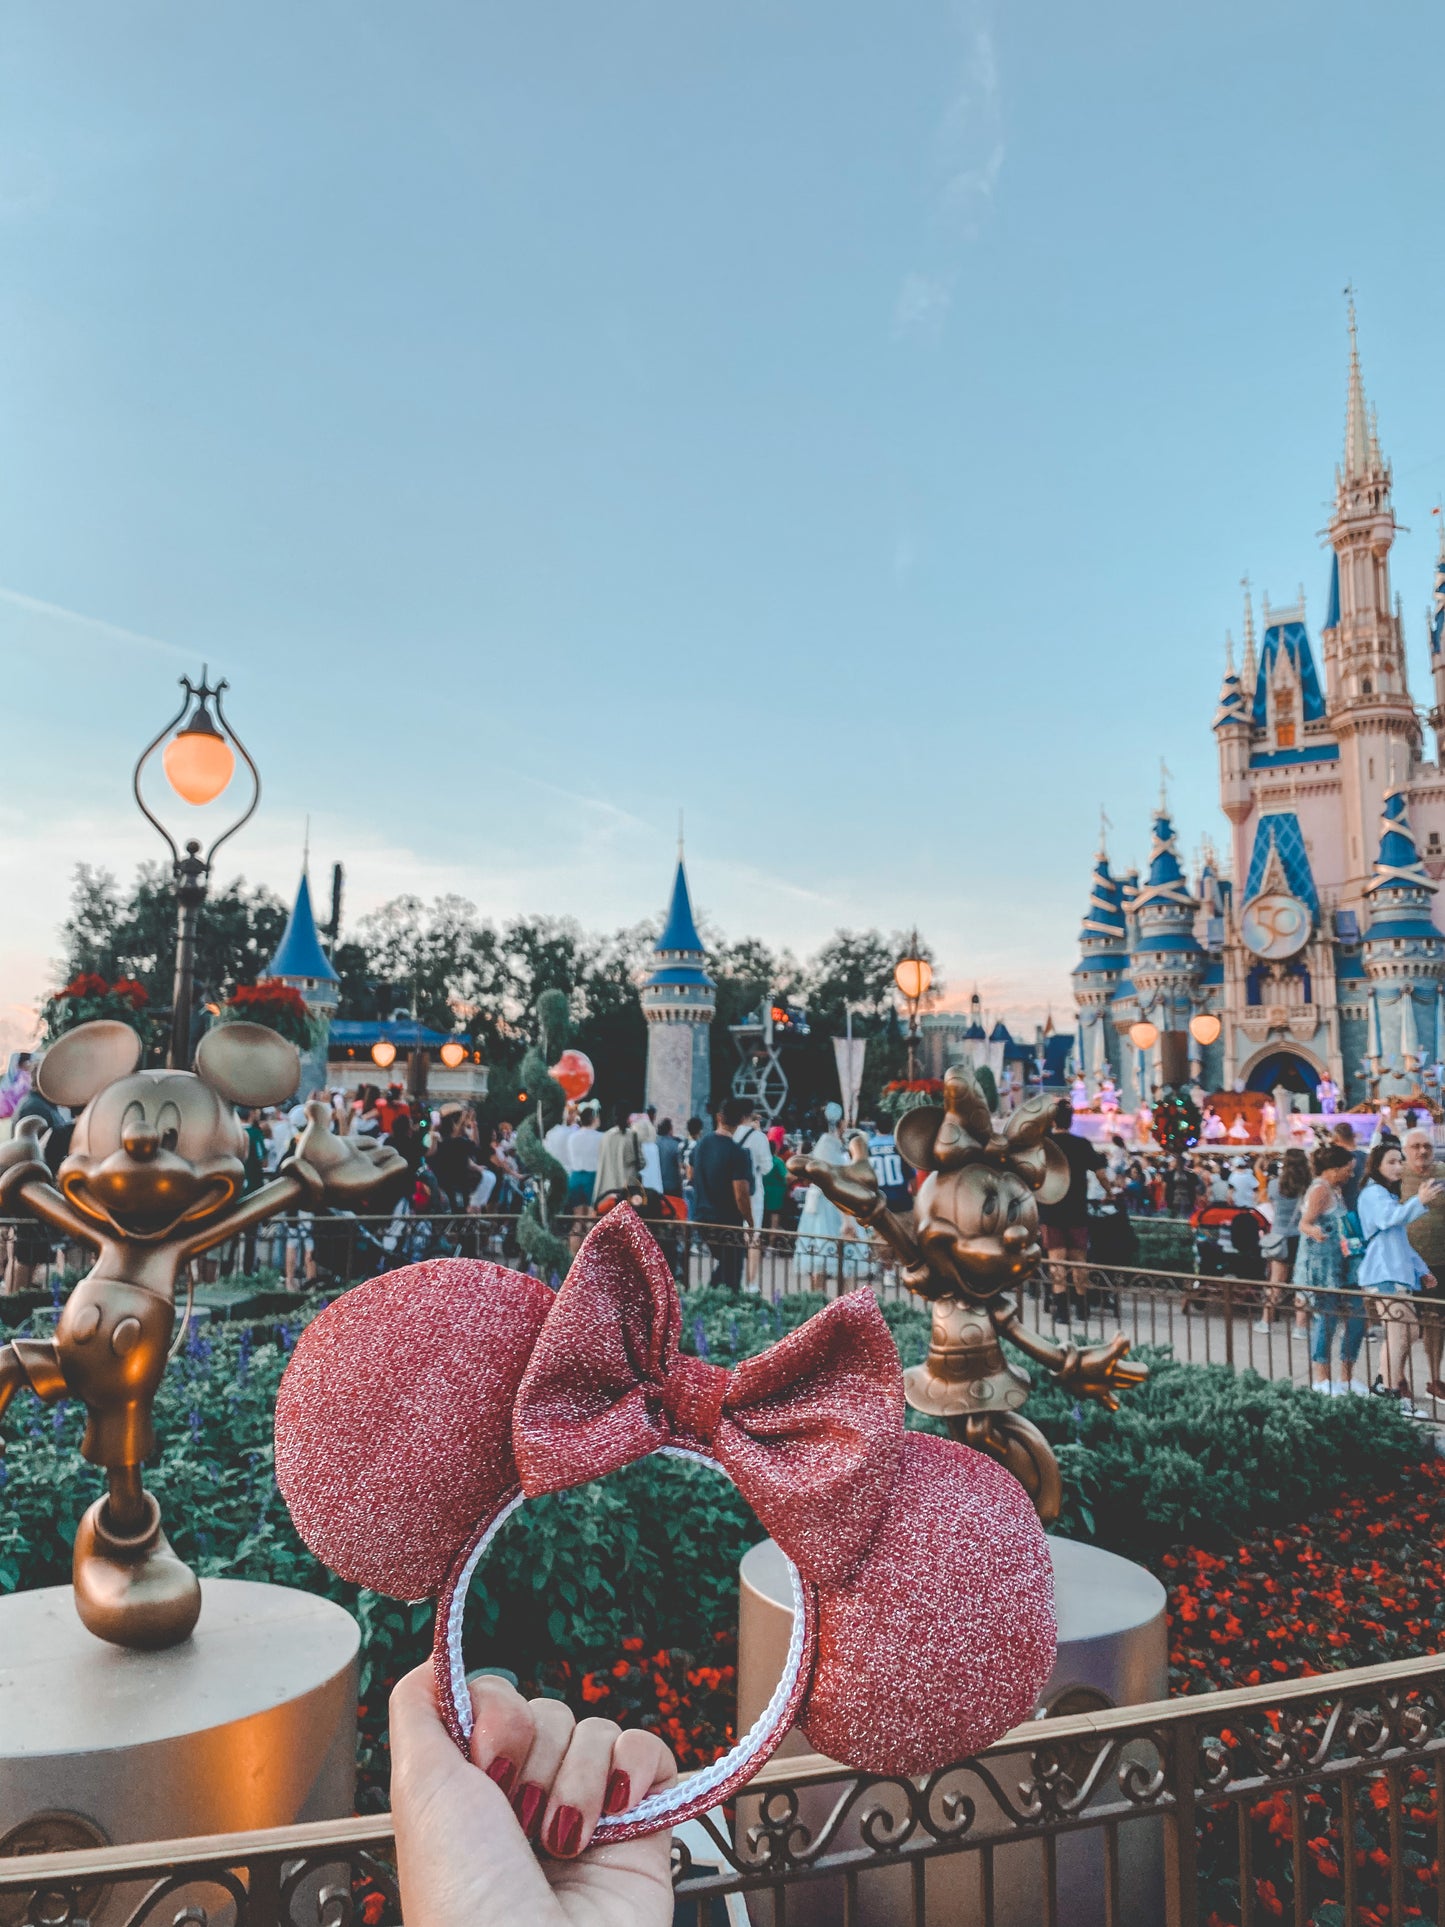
x=420 y=1409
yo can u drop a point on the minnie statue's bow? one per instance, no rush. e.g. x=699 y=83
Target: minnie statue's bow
x=810 y=1431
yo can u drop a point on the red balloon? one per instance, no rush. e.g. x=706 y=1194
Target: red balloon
x=573 y=1071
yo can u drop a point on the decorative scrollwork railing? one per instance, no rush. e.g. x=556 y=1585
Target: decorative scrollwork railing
x=1140 y=1814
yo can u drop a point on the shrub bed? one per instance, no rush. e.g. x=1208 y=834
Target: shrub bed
x=1198 y=1454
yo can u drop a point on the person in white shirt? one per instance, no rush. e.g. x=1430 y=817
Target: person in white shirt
x=1244 y=1185
x=560 y=1135
x=584 y=1148
x=651 y=1157
x=751 y=1138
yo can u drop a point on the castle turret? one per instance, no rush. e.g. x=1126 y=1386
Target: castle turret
x=1436 y=622
x=679 y=1003
x=1404 y=952
x=1231 y=733
x=301 y=962
x=1370 y=708
x=1165 y=959
x=1102 y=966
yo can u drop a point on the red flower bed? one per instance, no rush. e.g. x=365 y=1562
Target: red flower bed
x=689 y=1702
x=1356 y=1585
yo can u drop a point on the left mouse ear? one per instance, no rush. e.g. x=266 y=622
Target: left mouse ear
x=248 y=1064
x=81 y=1063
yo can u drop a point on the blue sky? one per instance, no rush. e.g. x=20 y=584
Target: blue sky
x=849 y=423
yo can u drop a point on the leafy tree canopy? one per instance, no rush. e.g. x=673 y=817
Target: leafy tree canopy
x=452 y=968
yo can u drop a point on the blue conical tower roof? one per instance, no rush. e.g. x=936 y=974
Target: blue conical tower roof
x=1165 y=882
x=679 y=950
x=1104 y=918
x=1437 y=604
x=679 y=932
x=299 y=953
x=1401 y=888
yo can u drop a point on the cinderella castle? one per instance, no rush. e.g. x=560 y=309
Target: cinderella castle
x=1318 y=951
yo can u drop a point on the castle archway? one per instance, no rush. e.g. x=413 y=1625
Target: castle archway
x=1285 y=1066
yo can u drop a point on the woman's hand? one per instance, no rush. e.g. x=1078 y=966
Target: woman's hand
x=1430 y=1190
x=1313 y=1233
x=465 y=1829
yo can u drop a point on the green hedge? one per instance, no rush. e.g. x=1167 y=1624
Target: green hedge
x=1198 y=1454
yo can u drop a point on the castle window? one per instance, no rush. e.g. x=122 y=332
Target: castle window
x=1284 y=735
x=1432 y=843
x=1368 y=688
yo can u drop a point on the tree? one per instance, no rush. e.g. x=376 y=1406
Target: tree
x=132 y=935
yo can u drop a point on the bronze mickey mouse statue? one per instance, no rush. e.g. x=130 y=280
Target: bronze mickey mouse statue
x=975 y=1235
x=154 y=1178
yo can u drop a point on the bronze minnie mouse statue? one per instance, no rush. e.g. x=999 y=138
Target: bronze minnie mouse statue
x=153 y=1178
x=975 y=1235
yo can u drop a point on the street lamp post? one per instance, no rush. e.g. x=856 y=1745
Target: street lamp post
x=913 y=974
x=199 y=761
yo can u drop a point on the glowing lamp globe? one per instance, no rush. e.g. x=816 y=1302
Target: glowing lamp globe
x=383 y=1053
x=1204 y=1028
x=913 y=975
x=198 y=762
x=452 y=1054
x=1143 y=1036
x=573 y=1071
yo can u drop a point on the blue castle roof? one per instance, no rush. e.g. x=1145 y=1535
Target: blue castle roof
x=1332 y=611
x=1280 y=832
x=1164 y=885
x=1290 y=639
x=680 y=945
x=1232 y=706
x=1401 y=887
x=1398 y=865
x=299 y=953
x=1104 y=918
x=1437 y=605
x=679 y=932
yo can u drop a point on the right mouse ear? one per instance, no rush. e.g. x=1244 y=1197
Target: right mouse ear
x=248 y=1064
x=85 y=1060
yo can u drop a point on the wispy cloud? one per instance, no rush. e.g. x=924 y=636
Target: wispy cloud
x=966 y=160
x=922 y=307
x=98 y=629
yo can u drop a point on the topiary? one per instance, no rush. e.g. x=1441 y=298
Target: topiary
x=549 y=1253
x=1177 y=1123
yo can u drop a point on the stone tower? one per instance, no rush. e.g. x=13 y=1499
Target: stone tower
x=1165 y=959
x=1102 y=967
x=301 y=962
x=679 y=1004
x=1363 y=641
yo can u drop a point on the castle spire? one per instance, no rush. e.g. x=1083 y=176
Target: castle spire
x=1359 y=429
x=1250 y=669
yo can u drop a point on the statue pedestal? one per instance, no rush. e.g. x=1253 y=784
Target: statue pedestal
x=251 y=1722
x=1113 y=1651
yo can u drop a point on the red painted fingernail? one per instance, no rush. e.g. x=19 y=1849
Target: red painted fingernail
x=565 y=1833
x=619 y=1792
x=528 y=1802
x=504 y=1772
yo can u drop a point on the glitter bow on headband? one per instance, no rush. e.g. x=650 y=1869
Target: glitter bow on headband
x=421 y=1408
x=809 y=1431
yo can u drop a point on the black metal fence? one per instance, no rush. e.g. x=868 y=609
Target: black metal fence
x=1306 y=1800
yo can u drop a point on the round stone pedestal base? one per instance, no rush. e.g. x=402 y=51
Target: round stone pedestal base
x=251 y=1722
x=1113 y=1651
